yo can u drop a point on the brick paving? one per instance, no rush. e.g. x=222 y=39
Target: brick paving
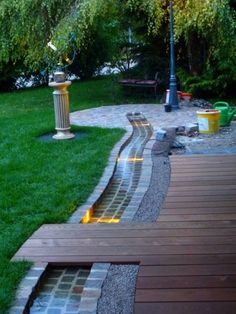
x=62 y=291
x=115 y=116
x=126 y=177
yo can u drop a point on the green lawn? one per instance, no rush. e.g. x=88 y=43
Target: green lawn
x=43 y=182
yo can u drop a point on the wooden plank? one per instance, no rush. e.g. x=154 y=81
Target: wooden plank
x=185 y=295
x=187 y=270
x=204 y=180
x=192 y=189
x=201 y=217
x=206 y=259
x=186 y=308
x=78 y=259
x=126 y=250
x=203 y=166
x=200 y=204
x=221 y=159
x=202 y=156
x=184 y=282
x=158 y=232
x=211 y=192
x=202 y=169
x=145 y=260
x=202 y=198
x=201 y=174
x=136 y=241
x=202 y=183
x=197 y=210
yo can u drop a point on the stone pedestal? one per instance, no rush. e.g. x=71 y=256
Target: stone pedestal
x=61 y=107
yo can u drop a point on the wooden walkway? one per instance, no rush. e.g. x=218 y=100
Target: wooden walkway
x=187 y=259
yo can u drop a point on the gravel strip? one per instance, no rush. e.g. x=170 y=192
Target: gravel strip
x=118 y=291
x=153 y=199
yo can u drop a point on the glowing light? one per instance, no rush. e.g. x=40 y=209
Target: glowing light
x=109 y=220
x=87 y=217
x=50 y=45
x=132 y=159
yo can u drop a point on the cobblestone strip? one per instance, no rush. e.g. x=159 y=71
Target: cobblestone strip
x=126 y=177
x=93 y=288
x=81 y=211
x=143 y=184
x=27 y=288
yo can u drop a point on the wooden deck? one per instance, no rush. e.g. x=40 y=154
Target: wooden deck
x=187 y=259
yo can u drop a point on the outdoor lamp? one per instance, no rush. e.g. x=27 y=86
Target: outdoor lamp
x=173 y=97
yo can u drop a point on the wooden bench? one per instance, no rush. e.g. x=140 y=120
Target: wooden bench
x=141 y=83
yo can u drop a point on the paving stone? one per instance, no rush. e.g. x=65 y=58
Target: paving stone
x=54 y=311
x=80 y=281
x=20 y=302
x=91 y=293
x=71 y=271
x=72 y=307
x=64 y=297
x=64 y=286
x=16 y=310
x=77 y=290
x=67 y=279
x=94 y=283
x=61 y=294
x=74 y=298
x=58 y=302
x=88 y=304
x=87 y=312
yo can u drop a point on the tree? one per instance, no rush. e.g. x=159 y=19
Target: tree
x=205 y=32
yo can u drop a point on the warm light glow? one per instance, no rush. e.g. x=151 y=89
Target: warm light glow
x=50 y=44
x=87 y=216
x=109 y=220
x=132 y=159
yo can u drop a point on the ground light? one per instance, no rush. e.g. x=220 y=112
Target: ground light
x=173 y=98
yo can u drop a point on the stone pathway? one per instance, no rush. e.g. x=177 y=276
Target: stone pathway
x=115 y=116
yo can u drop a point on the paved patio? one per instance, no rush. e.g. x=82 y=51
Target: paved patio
x=115 y=116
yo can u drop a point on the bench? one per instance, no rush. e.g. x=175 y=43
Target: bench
x=141 y=83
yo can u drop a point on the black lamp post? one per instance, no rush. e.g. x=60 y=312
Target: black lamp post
x=173 y=97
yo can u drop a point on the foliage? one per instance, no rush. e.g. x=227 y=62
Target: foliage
x=205 y=34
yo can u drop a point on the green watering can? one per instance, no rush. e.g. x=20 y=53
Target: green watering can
x=226 y=113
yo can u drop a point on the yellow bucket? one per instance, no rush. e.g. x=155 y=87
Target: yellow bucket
x=208 y=121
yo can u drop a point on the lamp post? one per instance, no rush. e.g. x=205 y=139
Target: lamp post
x=173 y=97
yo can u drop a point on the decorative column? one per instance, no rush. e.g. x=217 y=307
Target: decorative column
x=61 y=108
x=173 y=99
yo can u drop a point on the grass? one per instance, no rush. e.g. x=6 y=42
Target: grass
x=43 y=182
